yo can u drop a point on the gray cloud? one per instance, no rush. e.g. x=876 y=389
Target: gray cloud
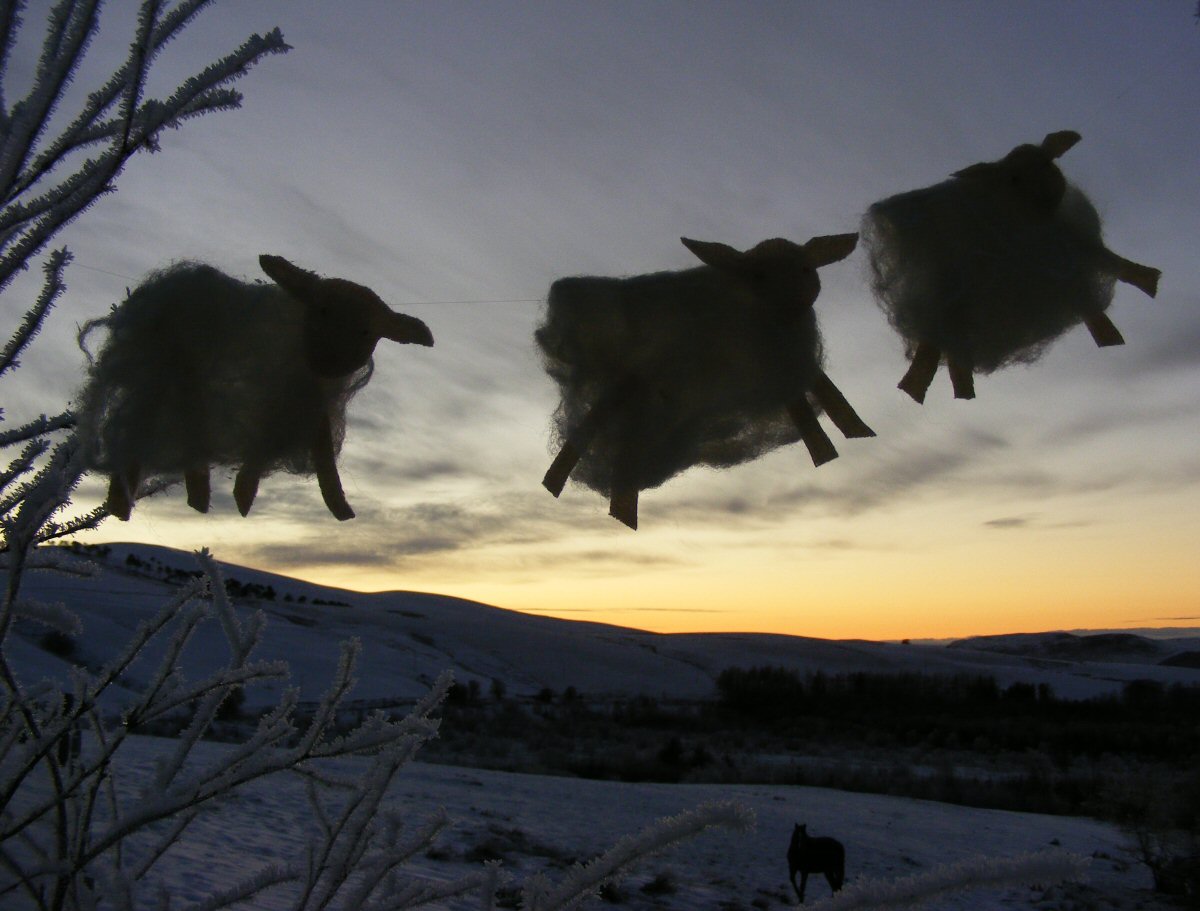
x=833 y=544
x=614 y=557
x=903 y=474
x=317 y=553
x=1178 y=351
x=398 y=537
x=1009 y=522
x=415 y=471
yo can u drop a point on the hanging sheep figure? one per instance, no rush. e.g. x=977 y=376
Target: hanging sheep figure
x=201 y=369
x=713 y=365
x=989 y=267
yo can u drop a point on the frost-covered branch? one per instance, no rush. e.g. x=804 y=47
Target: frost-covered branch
x=54 y=615
x=585 y=879
x=21 y=465
x=69 y=29
x=89 y=127
x=48 y=492
x=36 y=429
x=116 y=115
x=34 y=318
x=10 y=19
x=72 y=831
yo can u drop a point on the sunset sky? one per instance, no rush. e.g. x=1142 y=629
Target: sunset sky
x=458 y=157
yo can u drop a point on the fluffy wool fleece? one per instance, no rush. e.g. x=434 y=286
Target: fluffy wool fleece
x=681 y=369
x=201 y=369
x=964 y=266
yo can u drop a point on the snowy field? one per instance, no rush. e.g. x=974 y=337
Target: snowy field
x=539 y=824
x=532 y=824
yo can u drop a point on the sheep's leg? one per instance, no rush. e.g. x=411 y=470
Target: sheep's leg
x=1104 y=333
x=199 y=489
x=921 y=371
x=196 y=478
x=122 y=490
x=961 y=377
x=631 y=397
x=245 y=486
x=838 y=409
x=623 y=505
x=325 y=461
x=560 y=469
x=820 y=447
x=624 y=489
x=582 y=435
x=1144 y=278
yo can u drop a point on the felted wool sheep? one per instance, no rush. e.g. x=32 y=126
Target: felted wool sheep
x=713 y=365
x=991 y=266
x=201 y=369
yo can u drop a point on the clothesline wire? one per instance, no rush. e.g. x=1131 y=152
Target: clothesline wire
x=510 y=300
x=515 y=300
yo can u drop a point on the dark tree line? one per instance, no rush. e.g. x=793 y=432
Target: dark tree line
x=1146 y=718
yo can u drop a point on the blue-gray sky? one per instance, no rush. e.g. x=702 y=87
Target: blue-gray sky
x=448 y=152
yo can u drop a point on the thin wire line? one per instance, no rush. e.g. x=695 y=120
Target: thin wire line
x=514 y=300
x=511 y=300
x=105 y=271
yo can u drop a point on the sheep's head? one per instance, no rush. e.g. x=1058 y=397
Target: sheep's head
x=1029 y=170
x=781 y=271
x=343 y=320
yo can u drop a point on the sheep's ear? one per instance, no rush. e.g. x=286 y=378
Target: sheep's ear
x=296 y=281
x=408 y=330
x=831 y=248
x=1055 y=144
x=719 y=256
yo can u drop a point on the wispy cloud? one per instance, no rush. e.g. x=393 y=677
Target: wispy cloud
x=461 y=525
x=1009 y=522
x=630 y=610
x=297 y=554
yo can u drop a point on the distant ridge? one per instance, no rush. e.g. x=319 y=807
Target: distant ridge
x=1126 y=648
x=409 y=638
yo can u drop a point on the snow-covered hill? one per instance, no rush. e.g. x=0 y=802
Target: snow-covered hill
x=1122 y=648
x=535 y=823
x=409 y=638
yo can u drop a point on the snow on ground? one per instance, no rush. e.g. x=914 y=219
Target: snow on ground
x=535 y=823
x=541 y=823
x=409 y=638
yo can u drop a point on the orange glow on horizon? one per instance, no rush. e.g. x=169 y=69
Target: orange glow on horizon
x=892 y=602
x=932 y=570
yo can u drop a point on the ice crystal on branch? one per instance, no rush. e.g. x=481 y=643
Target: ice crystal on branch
x=40 y=193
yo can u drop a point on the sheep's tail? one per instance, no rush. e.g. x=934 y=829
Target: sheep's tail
x=84 y=331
